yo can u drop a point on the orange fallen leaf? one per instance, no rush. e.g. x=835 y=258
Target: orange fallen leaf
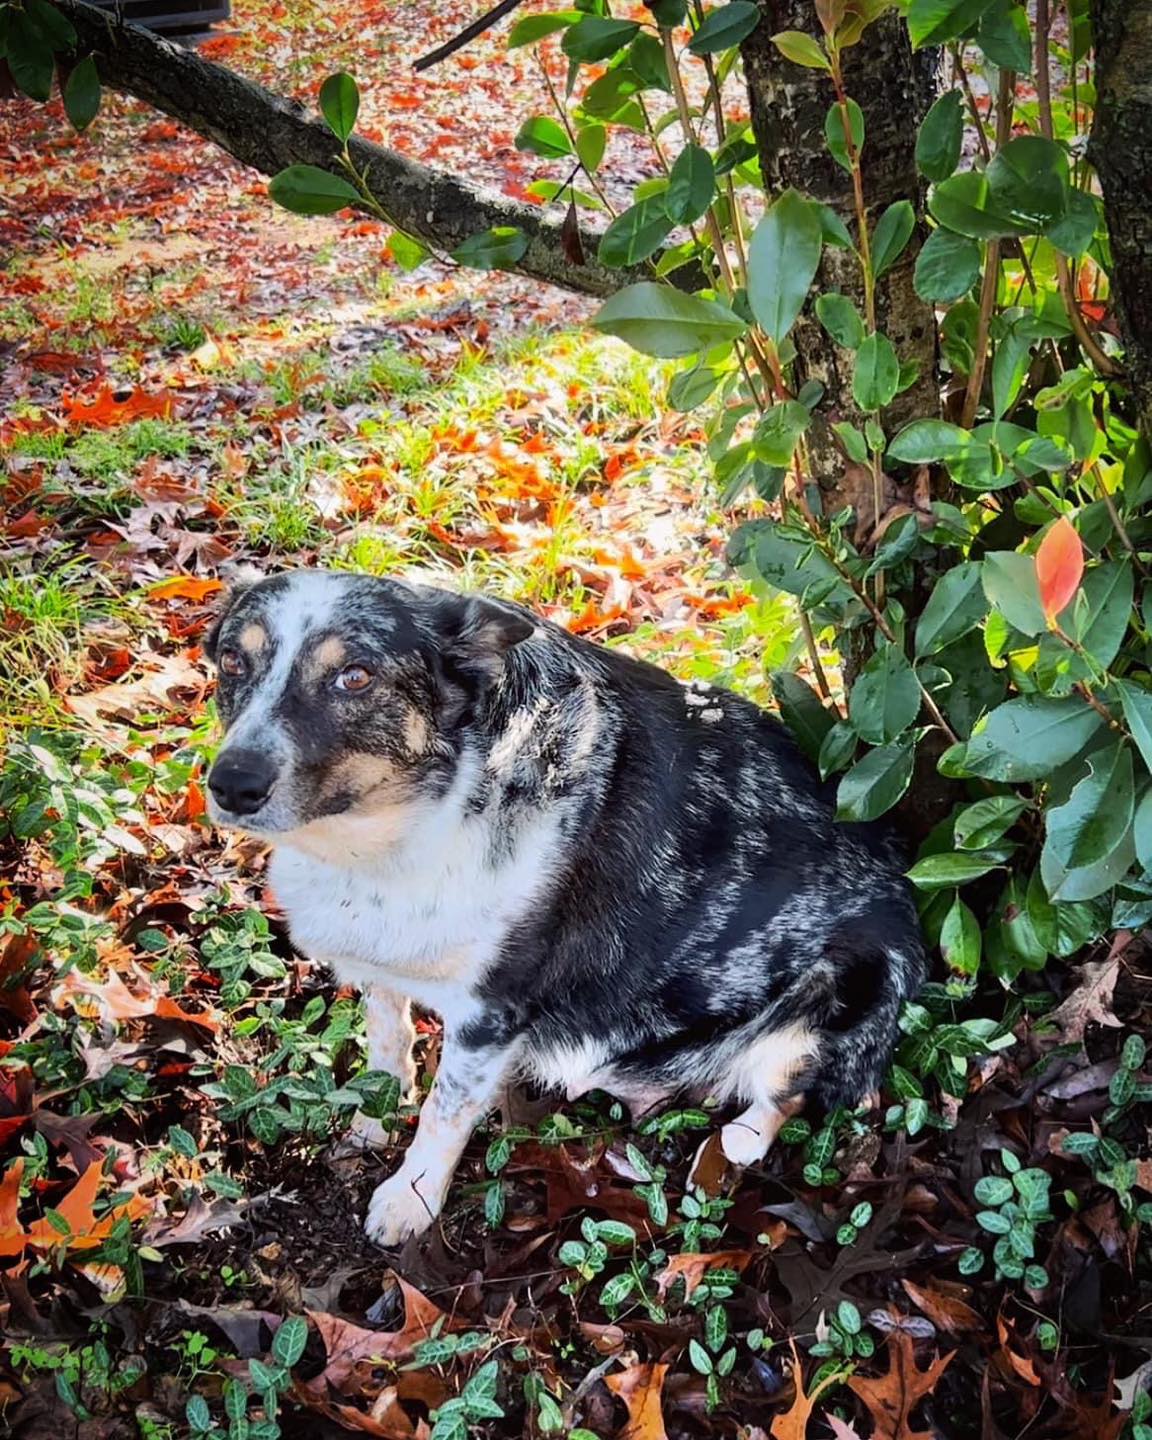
x=891 y=1398
x=639 y=1387
x=185 y=587
x=104 y=406
x=946 y=1312
x=692 y=1268
x=119 y=1003
x=793 y=1423
x=1059 y=567
x=11 y=1235
x=85 y=1230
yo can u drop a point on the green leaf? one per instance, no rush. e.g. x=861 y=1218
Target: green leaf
x=340 y=104
x=940 y=138
x=57 y=30
x=1074 y=232
x=1012 y=588
x=1100 y=614
x=933 y=22
x=533 y=28
x=960 y=939
x=789 y=563
x=877 y=782
x=636 y=233
x=964 y=203
x=1028 y=182
x=590 y=143
x=892 y=233
x=802 y=711
x=885 y=699
x=495 y=249
x=1030 y=737
x=782 y=260
x=956 y=605
x=837 y=140
x=877 y=374
x=993 y=1190
x=29 y=56
x=289 y=1341
x=983 y=823
x=725 y=26
x=408 y=252
x=597 y=37
x=82 y=94
x=947 y=267
x=1004 y=36
x=941 y=872
x=691 y=185
x=841 y=319
x=1137 y=706
x=308 y=190
x=801 y=48
x=541 y=135
x=647 y=60
x=777 y=434
x=658 y=320
x=1088 y=843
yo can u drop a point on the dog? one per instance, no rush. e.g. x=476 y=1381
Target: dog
x=597 y=876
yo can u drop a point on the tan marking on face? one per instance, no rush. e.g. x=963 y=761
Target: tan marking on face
x=253 y=637
x=322 y=659
x=415 y=730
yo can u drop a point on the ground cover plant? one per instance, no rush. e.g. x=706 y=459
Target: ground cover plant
x=871 y=450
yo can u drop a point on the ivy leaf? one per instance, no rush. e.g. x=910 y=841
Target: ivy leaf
x=782 y=260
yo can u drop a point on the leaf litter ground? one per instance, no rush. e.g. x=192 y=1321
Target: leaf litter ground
x=192 y=378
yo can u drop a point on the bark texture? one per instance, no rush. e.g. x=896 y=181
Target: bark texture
x=269 y=133
x=1121 y=151
x=789 y=103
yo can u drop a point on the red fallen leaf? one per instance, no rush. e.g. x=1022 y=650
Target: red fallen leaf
x=1059 y=567
x=692 y=1268
x=639 y=1387
x=25 y=526
x=891 y=1398
x=185 y=587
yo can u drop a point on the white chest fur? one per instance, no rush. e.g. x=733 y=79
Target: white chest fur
x=424 y=917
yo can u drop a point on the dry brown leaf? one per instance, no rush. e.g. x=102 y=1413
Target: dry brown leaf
x=1091 y=999
x=692 y=1268
x=945 y=1311
x=346 y=1345
x=639 y=1388
x=793 y=1423
x=892 y=1398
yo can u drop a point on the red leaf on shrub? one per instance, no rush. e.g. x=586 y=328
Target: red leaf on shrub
x=1059 y=567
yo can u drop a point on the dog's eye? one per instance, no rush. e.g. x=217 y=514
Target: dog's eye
x=354 y=678
x=231 y=663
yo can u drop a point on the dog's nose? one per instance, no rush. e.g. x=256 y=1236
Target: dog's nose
x=241 y=780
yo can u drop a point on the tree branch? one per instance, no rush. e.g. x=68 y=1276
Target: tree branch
x=269 y=132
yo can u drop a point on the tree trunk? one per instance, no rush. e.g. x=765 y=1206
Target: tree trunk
x=789 y=103
x=1121 y=151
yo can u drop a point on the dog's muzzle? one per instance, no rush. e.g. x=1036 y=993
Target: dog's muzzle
x=241 y=780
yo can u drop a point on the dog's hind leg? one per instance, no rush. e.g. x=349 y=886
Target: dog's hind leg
x=747 y=1139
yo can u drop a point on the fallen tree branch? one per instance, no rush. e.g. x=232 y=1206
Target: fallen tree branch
x=269 y=132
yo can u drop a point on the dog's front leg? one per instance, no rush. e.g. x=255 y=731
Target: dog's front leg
x=391 y=1035
x=466 y=1087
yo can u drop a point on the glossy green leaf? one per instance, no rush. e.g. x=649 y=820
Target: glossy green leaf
x=802 y=710
x=841 y=319
x=1088 y=841
x=1005 y=37
x=801 y=48
x=934 y=22
x=984 y=822
x=541 y=135
x=308 y=190
x=834 y=134
x=893 y=231
x=947 y=267
x=956 y=606
x=658 y=320
x=960 y=939
x=495 y=249
x=1029 y=737
x=636 y=233
x=532 y=28
x=691 y=185
x=597 y=37
x=725 y=26
x=1012 y=588
x=876 y=782
x=82 y=94
x=782 y=260
x=1136 y=703
x=590 y=143
x=941 y=872
x=940 y=138
x=877 y=373
x=885 y=699
x=340 y=104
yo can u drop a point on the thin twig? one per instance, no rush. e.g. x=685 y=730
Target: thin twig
x=470 y=32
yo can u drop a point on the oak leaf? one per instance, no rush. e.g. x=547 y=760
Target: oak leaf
x=892 y=1398
x=639 y=1387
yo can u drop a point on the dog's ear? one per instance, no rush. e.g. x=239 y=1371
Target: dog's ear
x=474 y=634
x=239 y=580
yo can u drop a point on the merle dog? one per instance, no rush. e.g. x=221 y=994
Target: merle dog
x=599 y=877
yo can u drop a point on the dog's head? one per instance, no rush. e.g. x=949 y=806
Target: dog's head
x=345 y=698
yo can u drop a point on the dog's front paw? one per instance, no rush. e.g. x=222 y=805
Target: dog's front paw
x=397 y=1210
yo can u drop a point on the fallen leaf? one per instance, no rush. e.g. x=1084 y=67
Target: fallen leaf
x=793 y=1423
x=639 y=1387
x=346 y=1345
x=891 y=1398
x=945 y=1311
x=117 y=1002
x=185 y=587
x=1090 y=1001
x=692 y=1268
